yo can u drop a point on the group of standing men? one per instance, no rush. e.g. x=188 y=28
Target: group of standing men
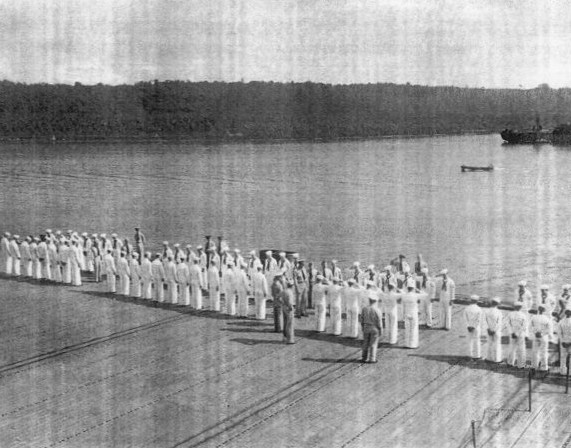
x=536 y=321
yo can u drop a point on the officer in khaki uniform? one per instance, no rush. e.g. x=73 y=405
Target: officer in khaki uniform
x=371 y=324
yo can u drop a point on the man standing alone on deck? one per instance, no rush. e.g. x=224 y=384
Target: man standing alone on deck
x=288 y=306
x=371 y=324
x=277 y=295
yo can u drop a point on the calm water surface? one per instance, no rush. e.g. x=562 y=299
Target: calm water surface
x=365 y=201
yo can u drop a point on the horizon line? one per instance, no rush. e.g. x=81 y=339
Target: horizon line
x=407 y=84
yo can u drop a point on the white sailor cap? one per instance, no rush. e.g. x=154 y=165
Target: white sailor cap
x=58 y=232
x=319 y=277
x=373 y=298
x=28 y=238
x=134 y=254
x=474 y=297
x=176 y=245
x=237 y=251
x=188 y=246
x=7 y=234
x=253 y=253
x=371 y=267
x=406 y=269
x=165 y=243
x=496 y=300
x=268 y=253
x=411 y=283
x=282 y=254
x=113 y=235
x=103 y=235
x=48 y=230
x=70 y=231
x=94 y=235
x=567 y=286
x=522 y=283
x=334 y=261
x=36 y=238
x=424 y=270
x=148 y=254
x=388 y=268
x=16 y=237
x=83 y=234
x=199 y=247
x=544 y=287
x=444 y=271
x=296 y=255
x=356 y=264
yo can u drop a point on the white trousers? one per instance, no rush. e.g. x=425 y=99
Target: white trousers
x=230 y=299
x=352 y=323
x=392 y=325
x=111 y=282
x=196 y=296
x=335 y=320
x=474 y=343
x=411 y=331
x=517 y=357
x=260 y=306
x=214 y=297
x=540 y=354
x=320 y=314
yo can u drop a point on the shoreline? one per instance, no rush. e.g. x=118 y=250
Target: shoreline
x=222 y=140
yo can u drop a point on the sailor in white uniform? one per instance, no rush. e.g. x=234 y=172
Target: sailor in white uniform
x=523 y=296
x=214 y=285
x=494 y=322
x=147 y=276
x=183 y=276
x=158 y=271
x=541 y=329
x=447 y=293
x=474 y=320
x=260 y=291
x=196 y=285
x=135 y=271
x=518 y=322
x=124 y=273
x=15 y=254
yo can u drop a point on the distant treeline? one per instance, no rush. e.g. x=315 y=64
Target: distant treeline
x=268 y=110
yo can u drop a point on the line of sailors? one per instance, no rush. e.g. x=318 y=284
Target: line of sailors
x=549 y=321
x=401 y=296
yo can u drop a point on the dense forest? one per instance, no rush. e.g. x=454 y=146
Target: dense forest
x=268 y=110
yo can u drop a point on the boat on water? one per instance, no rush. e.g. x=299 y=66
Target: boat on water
x=534 y=136
x=468 y=168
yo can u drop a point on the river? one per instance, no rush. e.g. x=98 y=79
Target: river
x=354 y=200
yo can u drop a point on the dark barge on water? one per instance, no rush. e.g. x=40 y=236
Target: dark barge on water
x=465 y=168
x=560 y=135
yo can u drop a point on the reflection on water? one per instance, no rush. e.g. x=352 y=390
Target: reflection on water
x=366 y=200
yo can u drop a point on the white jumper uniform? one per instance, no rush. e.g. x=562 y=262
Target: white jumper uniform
x=519 y=325
x=320 y=304
x=525 y=299
x=15 y=254
x=429 y=289
x=54 y=262
x=195 y=276
x=135 y=271
x=474 y=316
x=541 y=328
x=158 y=272
x=172 y=282
x=228 y=279
x=241 y=281
x=334 y=296
x=352 y=308
x=389 y=302
x=494 y=324
x=183 y=276
x=124 y=273
x=214 y=287
x=6 y=255
x=27 y=259
x=447 y=293
x=260 y=290
x=110 y=272
x=75 y=254
x=44 y=260
x=410 y=313
x=564 y=331
x=65 y=261
x=147 y=277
